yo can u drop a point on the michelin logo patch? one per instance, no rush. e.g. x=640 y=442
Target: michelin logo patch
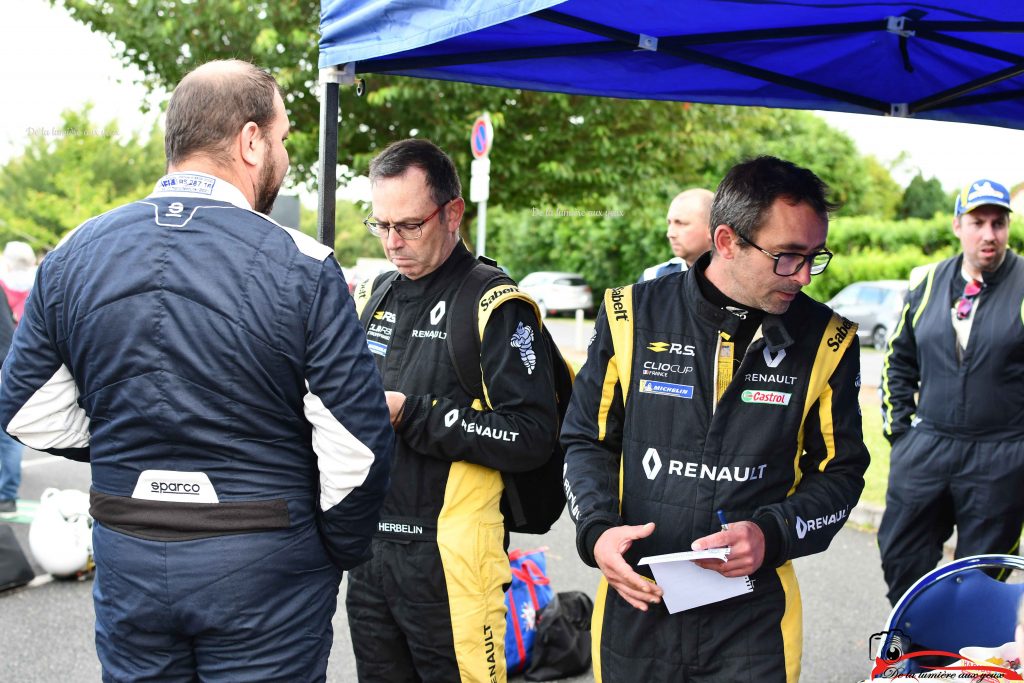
x=523 y=340
x=648 y=386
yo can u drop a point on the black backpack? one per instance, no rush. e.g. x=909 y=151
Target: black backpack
x=533 y=500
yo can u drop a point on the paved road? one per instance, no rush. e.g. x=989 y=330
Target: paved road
x=47 y=628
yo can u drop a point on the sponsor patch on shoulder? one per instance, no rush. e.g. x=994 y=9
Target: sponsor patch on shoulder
x=377 y=348
x=777 y=398
x=648 y=386
x=523 y=340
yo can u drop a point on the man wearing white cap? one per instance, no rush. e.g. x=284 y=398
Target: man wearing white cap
x=958 y=448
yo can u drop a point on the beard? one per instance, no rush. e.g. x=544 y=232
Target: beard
x=269 y=185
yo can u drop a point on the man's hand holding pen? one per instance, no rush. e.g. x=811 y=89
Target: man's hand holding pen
x=745 y=541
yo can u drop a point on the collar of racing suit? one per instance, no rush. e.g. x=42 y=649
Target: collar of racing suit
x=460 y=259
x=192 y=183
x=773 y=328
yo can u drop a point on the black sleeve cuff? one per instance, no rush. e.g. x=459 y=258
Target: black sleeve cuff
x=585 y=545
x=413 y=411
x=772 y=539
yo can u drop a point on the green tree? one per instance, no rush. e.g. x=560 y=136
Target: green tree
x=923 y=198
x=67 y=175
x=549 y=148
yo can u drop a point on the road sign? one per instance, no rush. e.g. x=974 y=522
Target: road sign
x=481 y=136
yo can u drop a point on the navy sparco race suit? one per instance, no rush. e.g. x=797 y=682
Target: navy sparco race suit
x=210 y=366
x=647 y=440
x=430 y=605
x=957 y=450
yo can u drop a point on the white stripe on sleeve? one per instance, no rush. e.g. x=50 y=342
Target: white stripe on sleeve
x=52 y=418
x=344 y=461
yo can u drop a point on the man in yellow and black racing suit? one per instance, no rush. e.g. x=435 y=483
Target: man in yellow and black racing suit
x=722 y=388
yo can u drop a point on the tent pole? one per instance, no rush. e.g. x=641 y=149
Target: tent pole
x=327 y=174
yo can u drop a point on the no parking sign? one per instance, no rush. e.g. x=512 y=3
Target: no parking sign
x=481 y=136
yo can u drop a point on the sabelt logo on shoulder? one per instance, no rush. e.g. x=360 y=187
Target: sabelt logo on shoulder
x=818 y=523
x=673 y=348
x=837 y=339
x=777 y=398
x=619 y=308
x=178 y=487
x=486 y=302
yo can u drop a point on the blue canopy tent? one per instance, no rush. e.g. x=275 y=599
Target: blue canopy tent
x=952 y=60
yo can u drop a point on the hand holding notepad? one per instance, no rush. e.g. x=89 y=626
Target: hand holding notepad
x=687 y=585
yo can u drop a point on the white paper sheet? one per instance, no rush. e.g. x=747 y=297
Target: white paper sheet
x=687 y=585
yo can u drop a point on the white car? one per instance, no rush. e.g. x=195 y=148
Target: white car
x=559 y=292
x=875 y=305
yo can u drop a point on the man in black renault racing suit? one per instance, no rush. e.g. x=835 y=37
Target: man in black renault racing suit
x=720 y=388
x=430 y=605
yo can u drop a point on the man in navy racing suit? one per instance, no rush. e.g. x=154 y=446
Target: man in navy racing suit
x=719 y=388
x=952 y=398
x=209 y=364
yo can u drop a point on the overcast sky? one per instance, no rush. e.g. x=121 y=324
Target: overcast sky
x=47 y=70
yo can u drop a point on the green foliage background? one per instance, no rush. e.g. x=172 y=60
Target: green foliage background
x=577 y=183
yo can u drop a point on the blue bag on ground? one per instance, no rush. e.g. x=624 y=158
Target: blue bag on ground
x=529 y=593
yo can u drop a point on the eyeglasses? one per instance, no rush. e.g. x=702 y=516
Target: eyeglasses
x=407 y=231
x=966 y=302
x=788 y=263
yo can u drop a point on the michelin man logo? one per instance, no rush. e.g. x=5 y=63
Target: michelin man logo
x=437 y=313
x=450 y=417
x=651 y=463
x=523 y=340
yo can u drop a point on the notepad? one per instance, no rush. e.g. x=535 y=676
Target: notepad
x=687 y=585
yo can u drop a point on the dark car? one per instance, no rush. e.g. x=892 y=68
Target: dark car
x=875 y=305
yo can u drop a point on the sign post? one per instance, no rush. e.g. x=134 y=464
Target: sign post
x=481 y=137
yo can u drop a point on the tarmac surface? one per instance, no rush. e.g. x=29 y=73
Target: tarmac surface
x=47 y=627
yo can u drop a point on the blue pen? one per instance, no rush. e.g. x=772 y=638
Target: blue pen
x=721 y=518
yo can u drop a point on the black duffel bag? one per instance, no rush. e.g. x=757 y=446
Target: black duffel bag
x=561 y=647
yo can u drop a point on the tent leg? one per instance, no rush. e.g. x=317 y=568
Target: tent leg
x=327 y=174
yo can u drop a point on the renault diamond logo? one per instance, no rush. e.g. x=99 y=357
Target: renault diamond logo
x=773 y=360
x=658 y=347
x=651 y=463
x=450 y=417
x=437 y=313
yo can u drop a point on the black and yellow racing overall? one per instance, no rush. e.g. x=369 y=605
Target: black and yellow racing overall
x=955 y=418
x=429 y=605
x=666 y=426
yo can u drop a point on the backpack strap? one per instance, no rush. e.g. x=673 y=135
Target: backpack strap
x=370 y=293
x=618 y=307
x=483 y=289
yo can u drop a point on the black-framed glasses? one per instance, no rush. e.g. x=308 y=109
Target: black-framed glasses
x=407 y=231
x=788 y=263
